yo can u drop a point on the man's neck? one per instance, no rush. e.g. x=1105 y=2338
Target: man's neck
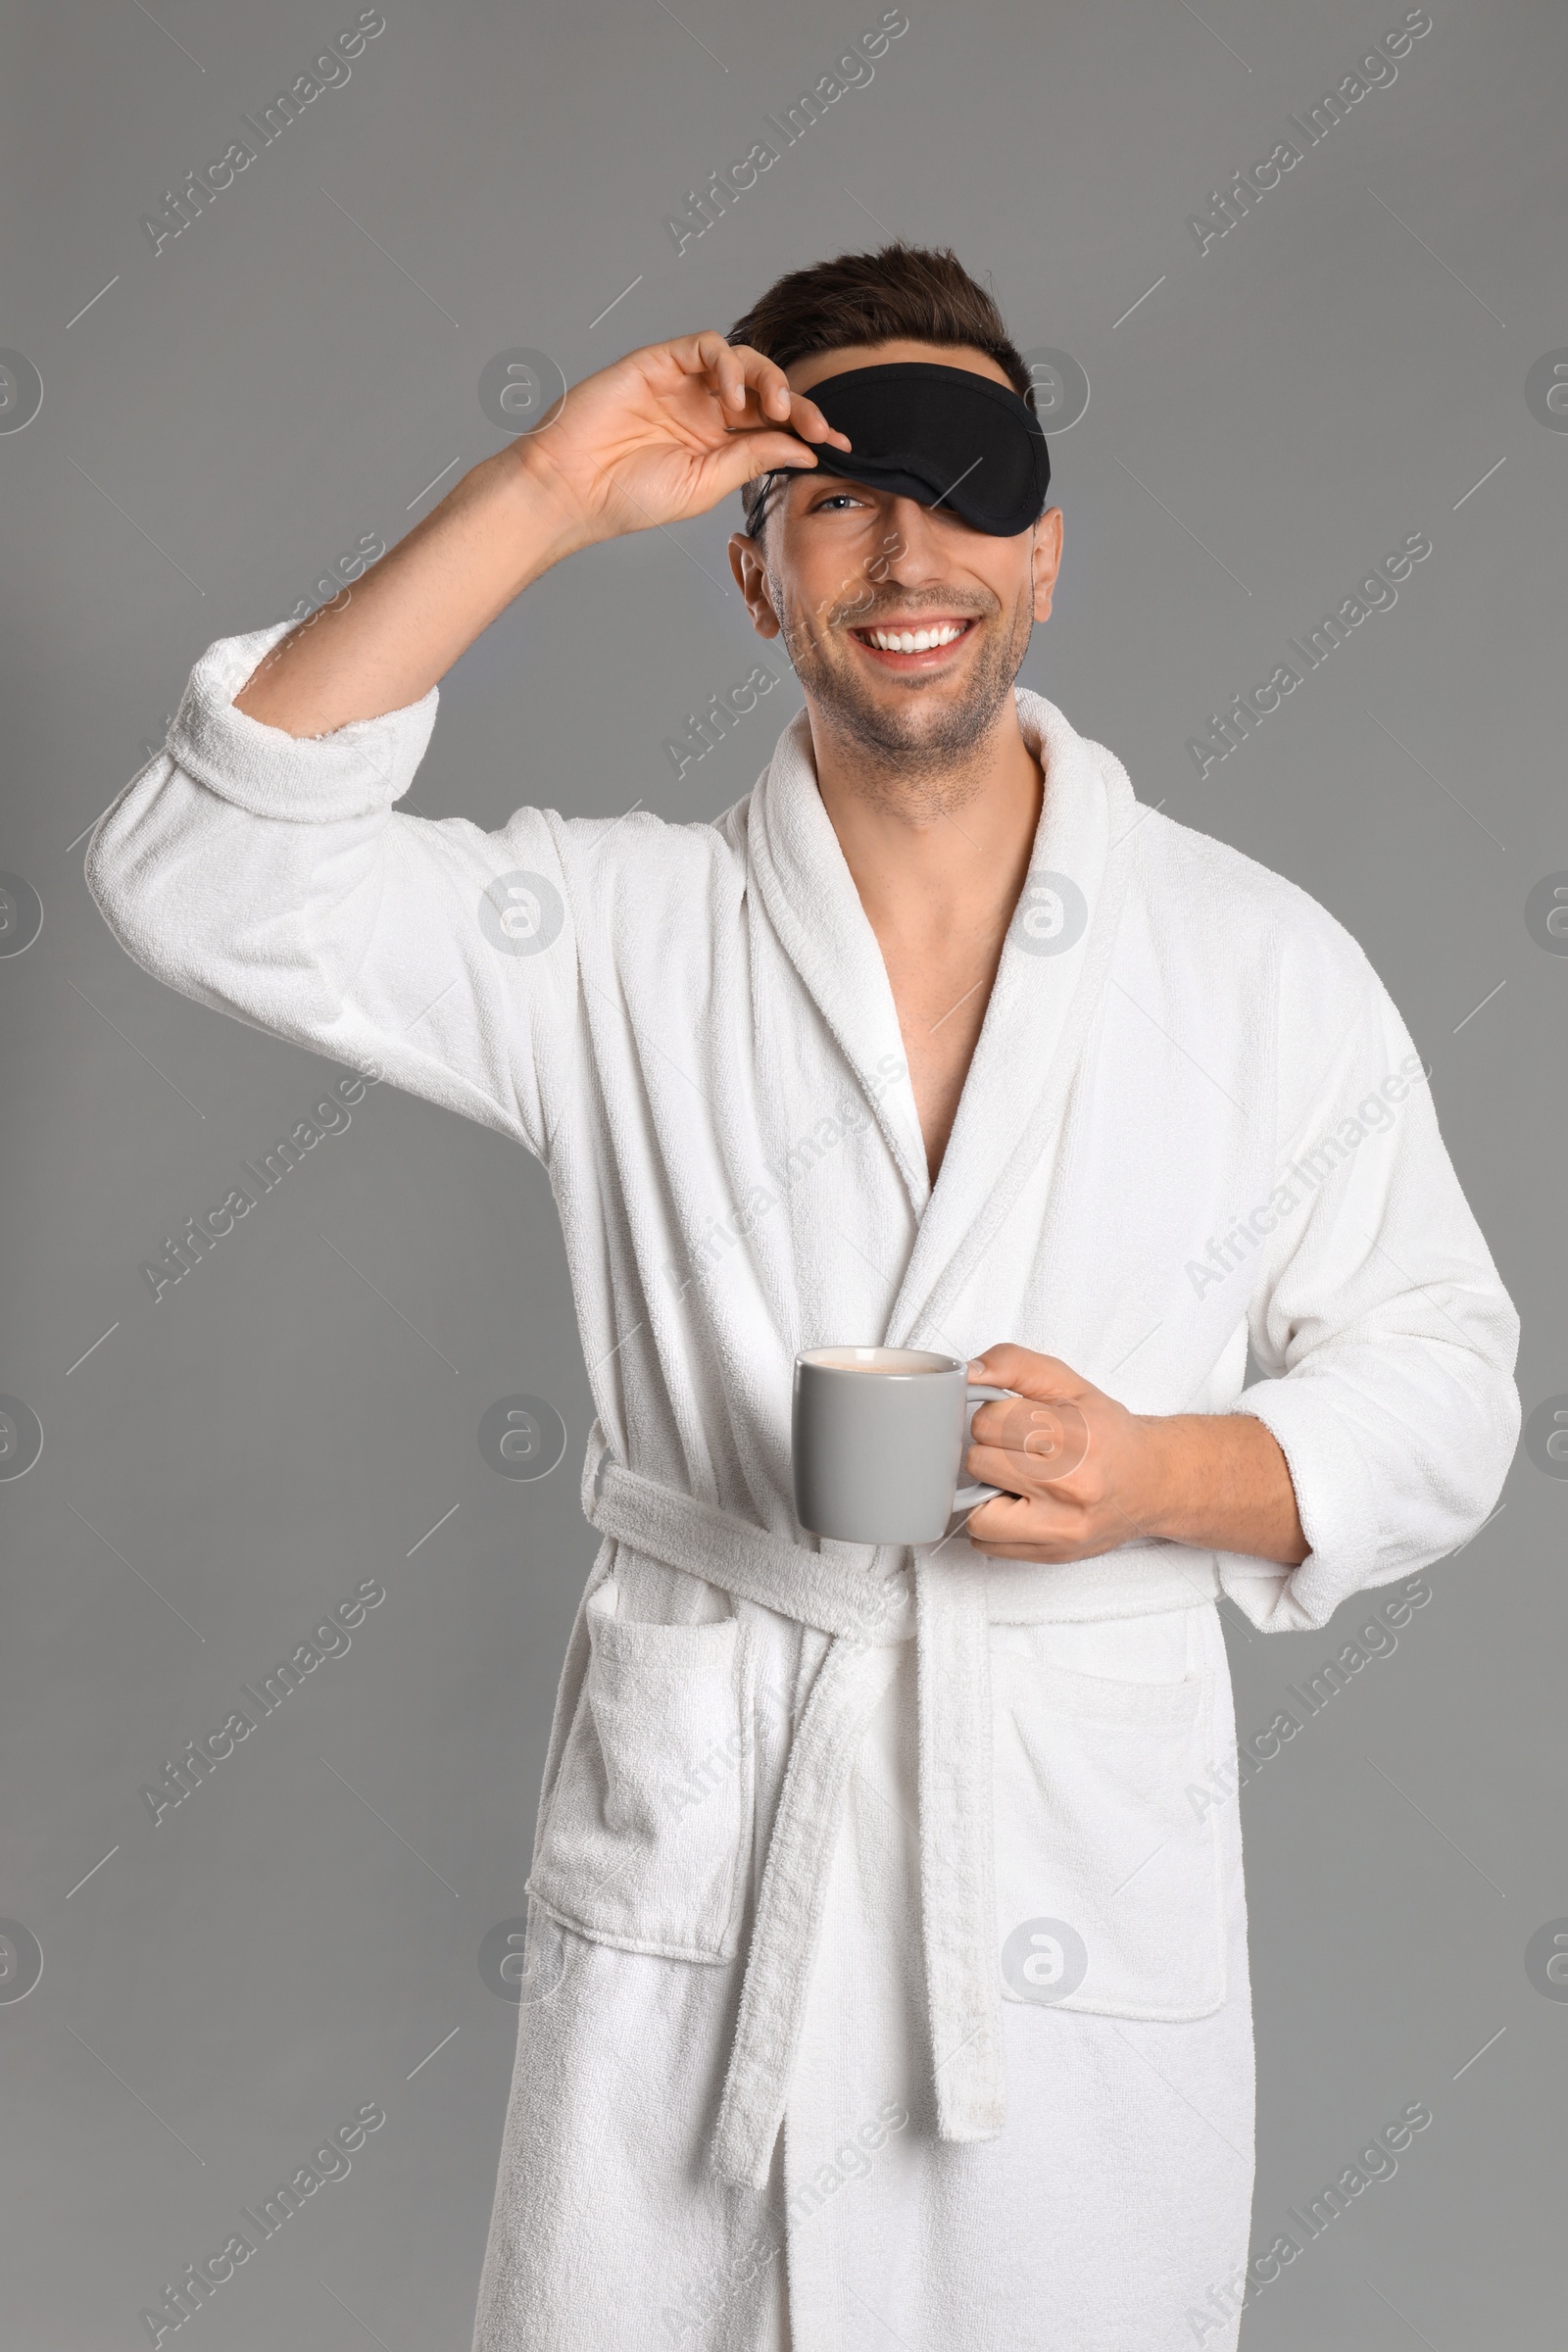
x=939 y=864
x=919 y=845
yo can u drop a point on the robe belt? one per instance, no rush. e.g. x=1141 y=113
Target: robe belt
x=943 y=1610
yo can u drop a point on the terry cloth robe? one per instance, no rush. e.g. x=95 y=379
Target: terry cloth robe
x=887 y=1971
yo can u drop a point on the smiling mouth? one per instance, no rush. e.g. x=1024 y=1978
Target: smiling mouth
x=915 y=648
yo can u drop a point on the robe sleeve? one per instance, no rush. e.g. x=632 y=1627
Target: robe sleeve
x=268 y=876
x=1377 y=1314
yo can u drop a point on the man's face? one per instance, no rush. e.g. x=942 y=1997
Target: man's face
x=848 y=575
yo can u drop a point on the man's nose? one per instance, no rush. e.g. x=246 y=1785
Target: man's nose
x=912 y=545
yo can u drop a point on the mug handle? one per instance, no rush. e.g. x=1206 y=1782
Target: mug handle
x=969 y=1498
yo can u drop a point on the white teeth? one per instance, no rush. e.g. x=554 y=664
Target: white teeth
x=915 y=641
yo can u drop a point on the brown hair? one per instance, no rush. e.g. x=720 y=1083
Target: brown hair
x=904 y=293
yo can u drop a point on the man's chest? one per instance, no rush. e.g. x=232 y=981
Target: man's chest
x=941 y=991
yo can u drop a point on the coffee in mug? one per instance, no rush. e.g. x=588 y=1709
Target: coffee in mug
x=878 y=1438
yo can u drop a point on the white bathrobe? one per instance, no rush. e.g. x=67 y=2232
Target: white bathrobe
x=887 y=1971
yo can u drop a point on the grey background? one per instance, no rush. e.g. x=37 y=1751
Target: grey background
x=225 y=420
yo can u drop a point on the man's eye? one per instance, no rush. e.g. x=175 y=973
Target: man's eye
x=837 y=498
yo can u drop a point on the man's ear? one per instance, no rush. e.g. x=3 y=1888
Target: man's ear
x=1046 y=560
x=751 y=578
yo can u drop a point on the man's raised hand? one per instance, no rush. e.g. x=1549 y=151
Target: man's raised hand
x=665 y=432
x=660 y=436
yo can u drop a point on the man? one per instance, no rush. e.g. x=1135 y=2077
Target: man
x=888 y=1963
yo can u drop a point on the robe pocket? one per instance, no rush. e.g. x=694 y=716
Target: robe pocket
x=648 y=1837
x=1110 y=1892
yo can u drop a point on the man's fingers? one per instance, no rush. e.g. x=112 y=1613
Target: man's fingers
x=771 y=388
x=1019 y=1473
x=1050 y=1442
x=803 y=415
x=766 y=381
x=734 y=371
x=746 y=456
x=1037 y=1554
x=810 y=422
x=1043 y=1378
x=722 y=362
x=737 y=372
x=1005 y=1424
x=1039 y=1528
x=1011 y=1519
x=1000 y=1466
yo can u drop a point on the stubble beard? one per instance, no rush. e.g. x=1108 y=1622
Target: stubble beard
x=906 y=756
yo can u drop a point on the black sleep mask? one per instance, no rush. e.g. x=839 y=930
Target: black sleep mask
x=943 y=436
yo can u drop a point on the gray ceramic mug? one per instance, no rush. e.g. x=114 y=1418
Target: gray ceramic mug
x=879 y=1436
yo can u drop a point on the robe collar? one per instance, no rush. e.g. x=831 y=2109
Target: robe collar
x=1052 y=974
